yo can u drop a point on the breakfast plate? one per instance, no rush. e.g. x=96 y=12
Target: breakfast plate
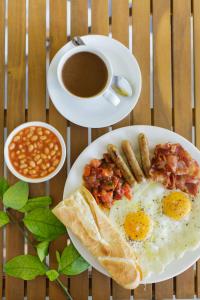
x=97 y=112
x=96 y=149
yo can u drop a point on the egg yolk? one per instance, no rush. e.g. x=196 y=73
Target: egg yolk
x=176 y=205
x=137 y=225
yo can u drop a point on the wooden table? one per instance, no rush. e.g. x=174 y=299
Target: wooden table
x=170 y=98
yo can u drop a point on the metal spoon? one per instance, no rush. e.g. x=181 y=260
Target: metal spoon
x=119 y=83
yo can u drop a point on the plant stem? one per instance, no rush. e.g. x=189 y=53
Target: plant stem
x=27 y=237
x=59 y=282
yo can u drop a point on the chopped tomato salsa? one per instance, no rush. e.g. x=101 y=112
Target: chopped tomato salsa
x=105 y=181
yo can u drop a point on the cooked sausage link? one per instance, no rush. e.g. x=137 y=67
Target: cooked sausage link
x=120 y=163
x=144 y=152
x=132 y=160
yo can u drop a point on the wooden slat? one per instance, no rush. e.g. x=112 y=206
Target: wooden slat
x=182 y=67
x=58 y=37
x=100 y=286
x=162 y=92
x=36 y=289
x=120 y=31
x=79 y=17
x=141 y=49
x=142 y=111
x=120 y=21
x=196 y=28
x=162 y=64
x=182 y=103
x=15 y=116
x=100 y=18
x=2 y=76
x=79 y=285
x=100 y=25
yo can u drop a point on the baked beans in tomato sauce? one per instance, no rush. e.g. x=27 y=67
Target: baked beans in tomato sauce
x=35 y=152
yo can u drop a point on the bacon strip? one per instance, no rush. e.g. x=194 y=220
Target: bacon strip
x=174 y=167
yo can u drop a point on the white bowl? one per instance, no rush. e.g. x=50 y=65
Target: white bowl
x=19 y=128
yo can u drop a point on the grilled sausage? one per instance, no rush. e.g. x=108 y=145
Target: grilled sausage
x=132 y=160
x=144 y=152
x=120 y=163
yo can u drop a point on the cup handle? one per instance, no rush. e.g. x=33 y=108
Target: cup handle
x=112 y=97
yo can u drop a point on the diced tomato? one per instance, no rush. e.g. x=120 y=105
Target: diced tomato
x=107 y=172
x=99 y=172
x=91 y=179
x=95 y=163
x=86 y=171
x=117 y=172
x=95 y=193
x=93 y=171
x=107 y=197
x=118 y=194
x=119 y=185
x=127 y=191
x=115 y=181
x=108 y=186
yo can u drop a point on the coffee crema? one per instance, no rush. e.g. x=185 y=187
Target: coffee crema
x=84 y=74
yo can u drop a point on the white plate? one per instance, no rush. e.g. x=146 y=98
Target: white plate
x=100 y=113
x=155 y=135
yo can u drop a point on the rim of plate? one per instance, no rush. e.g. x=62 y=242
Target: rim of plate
x=195 y=251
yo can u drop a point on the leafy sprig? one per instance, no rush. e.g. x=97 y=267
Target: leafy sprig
x=4 y=219
x=26 y=267
x=16 y=196
x=45 y=227
x=43 y=223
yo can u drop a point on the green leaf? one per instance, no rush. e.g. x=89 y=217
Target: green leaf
x=71 y=263
x=16 y=196
x=78 y=266
x=4 y=219
x=39 y=238
x=42 y=250
x=3 y=186
x=25 y=267
x=37 y=202
x=52 y=274
x=58 y=256
x=42 y=223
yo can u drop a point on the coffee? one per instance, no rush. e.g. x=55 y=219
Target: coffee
x=84 y=74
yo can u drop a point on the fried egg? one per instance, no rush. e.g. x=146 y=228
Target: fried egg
x=158 y=223
x=176 y=205
x=137 y=225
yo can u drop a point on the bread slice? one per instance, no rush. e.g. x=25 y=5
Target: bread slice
x=81 y=214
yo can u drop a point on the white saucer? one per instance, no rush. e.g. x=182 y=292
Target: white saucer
x=100 y=113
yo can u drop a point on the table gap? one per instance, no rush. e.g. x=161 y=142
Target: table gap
x=151 y=62
x=47 y=49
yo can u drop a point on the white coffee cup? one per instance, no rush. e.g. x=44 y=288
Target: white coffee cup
x=107 y=92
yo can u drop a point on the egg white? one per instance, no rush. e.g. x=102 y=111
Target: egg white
x=168 y=239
